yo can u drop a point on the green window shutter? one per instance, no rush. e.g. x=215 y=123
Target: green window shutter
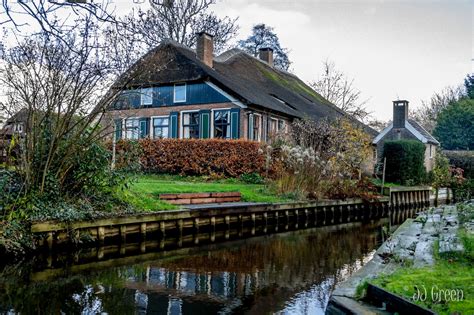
x=173 y=132
x=250 y=127
x=144 y=126
x=118 y=129
x=235 y=123
x=204 y=124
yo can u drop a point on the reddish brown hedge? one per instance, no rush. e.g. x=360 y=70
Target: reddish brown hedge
x=214 y=157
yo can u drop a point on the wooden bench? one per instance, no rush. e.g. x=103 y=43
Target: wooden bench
x=201 y=198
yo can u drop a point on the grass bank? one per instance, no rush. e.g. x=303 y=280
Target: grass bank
x=144 y=192
x=449 y=283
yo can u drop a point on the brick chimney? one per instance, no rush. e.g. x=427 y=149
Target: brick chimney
x=266 y=54
x=400 y=113
x=205 y=48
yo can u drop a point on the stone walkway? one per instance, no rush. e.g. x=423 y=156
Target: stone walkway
x=411 y=244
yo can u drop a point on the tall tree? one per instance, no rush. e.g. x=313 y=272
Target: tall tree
x=263 y=36
x=455 y=125
x=428 y=112
x=337 y=88
x=469 y=85
x=178 y=20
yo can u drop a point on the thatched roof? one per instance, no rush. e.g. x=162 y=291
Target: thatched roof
x=245 y=77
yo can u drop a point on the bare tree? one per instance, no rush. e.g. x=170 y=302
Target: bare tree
x=427 y=114
x=334 y=86
x=61 y=86
x=377 y=124
x=178 y=20
x=54 y=18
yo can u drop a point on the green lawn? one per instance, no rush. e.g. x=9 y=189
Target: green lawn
x=452 y=272
x=144 y=192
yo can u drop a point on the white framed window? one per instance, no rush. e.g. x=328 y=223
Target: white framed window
x=431 y=151
x=131 y=128
x=179 y=95
x=281 y=125
x=273 y=126
x=221 y=123
x=18 y=127
x=190 y=125
x=160 y=127
x=257 y=127
x=146 y=96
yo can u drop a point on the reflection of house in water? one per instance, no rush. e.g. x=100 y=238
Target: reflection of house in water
x=289 y=272
x=257 y=277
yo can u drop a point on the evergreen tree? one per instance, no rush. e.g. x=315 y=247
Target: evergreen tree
x=469 y=84
x=455 y=126
x=263 y=36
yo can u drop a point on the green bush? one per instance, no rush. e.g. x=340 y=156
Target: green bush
x=252 y=178
x=462 y=159
x=405 y=162
x=464 y=190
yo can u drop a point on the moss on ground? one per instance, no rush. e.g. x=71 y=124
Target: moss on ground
x=453 y=271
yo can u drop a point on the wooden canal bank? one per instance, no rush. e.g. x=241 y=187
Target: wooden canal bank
x=399 y=205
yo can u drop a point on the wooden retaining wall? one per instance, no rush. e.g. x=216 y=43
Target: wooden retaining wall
x=405 y=201
x=211 y=218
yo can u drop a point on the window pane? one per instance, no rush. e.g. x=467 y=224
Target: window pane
x=180 y=93
x=222 y=124
x=147 y=96
x=191 y=125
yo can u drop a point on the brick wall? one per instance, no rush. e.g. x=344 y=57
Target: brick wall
x=166 y=110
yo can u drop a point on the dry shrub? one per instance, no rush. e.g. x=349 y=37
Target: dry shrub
x=207 y=157
x=322 y=159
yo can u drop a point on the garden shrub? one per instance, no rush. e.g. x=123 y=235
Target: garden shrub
x=405 y=162
x=201 y=157
x=462 y=159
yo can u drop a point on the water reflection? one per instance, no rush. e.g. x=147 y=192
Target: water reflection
x=288 y=273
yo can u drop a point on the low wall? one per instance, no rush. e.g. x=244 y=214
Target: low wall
x=211 y=218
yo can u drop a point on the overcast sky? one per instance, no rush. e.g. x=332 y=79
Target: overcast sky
x=393 y=49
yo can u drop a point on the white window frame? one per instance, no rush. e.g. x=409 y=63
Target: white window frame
x=152 y=129
x=146 y=93
x=185 y=93
x=126 y=130
x=260 y=122
x=276 y=125
x=212 y=115
x=181 y=121
x=431 y=151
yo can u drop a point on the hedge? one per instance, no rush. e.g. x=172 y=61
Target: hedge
x=405 y=162
x=462 y=159
x=210 y=157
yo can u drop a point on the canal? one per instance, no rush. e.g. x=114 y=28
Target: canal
x=289 y=272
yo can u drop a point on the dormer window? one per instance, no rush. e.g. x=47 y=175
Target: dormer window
x=147 y=96
x=179 y=93
x=18 y=128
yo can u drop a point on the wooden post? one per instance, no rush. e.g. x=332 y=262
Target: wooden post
x=213 y=223
x=123 y=232
x=143 y=231
x=162 y=228
x=101 y=234
x=180 y=226
x=383 y=174
x=50 y=240
x=196 y=225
